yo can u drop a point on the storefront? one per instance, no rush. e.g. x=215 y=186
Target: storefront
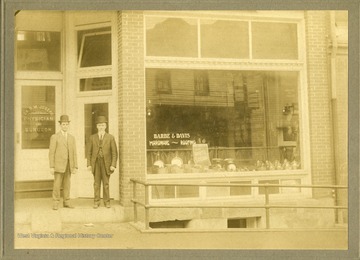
x=233 y=97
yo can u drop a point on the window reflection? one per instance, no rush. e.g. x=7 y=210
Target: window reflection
x=94 y=47
x=38 y=51
x=93 y=84
x=249 y=119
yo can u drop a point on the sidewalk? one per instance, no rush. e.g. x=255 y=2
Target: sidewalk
x=39 y=213
x=38 y=226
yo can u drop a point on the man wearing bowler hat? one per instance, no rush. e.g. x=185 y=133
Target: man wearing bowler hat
x=63 y=161
x=101 y=160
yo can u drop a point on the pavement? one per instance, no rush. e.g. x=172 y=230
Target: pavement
x=38 y=226
x=39 y=213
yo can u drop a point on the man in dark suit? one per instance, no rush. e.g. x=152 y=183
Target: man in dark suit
x=63 y=161
x=101 y=160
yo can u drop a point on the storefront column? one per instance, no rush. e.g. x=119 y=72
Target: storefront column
x=321 y=140
x=131 y=105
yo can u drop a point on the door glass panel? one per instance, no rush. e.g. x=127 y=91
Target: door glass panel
x=38 y=116
x=94 y=47
x=38 y=51
x=92 y=111
x=93 y=84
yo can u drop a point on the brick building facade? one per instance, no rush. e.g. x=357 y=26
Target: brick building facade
x=319 y=64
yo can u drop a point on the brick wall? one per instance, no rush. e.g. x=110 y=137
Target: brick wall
x=131 y=101
x=319 y=91
x=341 y=130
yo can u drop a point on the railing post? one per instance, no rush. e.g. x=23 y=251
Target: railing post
x=135 y=203
x=146 y=208
x=267 y=210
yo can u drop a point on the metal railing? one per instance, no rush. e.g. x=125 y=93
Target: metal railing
x=267 y=206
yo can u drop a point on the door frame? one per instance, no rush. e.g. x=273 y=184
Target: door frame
x=33 y=164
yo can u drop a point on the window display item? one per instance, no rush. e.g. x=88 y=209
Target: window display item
x=159 y=164
x=230 y=165
x=217 y=163
x=177 y=161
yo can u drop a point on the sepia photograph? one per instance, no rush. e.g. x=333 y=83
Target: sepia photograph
x=181 y=129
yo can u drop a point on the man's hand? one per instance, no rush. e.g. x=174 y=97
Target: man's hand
x=74 y=170
x=52 y=171
x=112 y=168
x=89 y=168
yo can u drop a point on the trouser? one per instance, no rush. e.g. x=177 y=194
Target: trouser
x=101 y=176
x=62 y=178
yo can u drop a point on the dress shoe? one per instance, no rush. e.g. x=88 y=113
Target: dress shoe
x=55 y=206
x=96 y=206
x=68 y=206
x=107 y=205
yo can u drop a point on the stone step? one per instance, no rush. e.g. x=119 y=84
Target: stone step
x=39 y=214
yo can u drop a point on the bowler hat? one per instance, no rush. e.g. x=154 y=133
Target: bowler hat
x=100 y=120
x=64 y=118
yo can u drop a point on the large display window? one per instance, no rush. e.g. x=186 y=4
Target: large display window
x=247 y=121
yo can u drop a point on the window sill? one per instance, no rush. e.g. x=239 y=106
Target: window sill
x=219 y=175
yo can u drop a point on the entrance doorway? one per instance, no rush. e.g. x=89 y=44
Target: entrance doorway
x=88 y=110
x=91 y=77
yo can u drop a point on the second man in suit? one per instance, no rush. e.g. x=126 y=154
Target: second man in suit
x=101 y=160
x=63 y=161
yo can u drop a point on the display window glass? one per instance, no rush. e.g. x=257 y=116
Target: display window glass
x=249 y=121
x=38 y=51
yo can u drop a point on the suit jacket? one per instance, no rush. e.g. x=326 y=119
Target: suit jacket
x=109 y=150
x=61 y=150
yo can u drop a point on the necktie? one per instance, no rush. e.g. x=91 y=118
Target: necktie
x=100 y=154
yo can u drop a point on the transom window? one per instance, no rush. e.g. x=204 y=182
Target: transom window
x=216 y=38
x=94 y=47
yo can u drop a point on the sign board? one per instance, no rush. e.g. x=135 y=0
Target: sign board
x=170 y=140
x=201 y=154
x=38 y=116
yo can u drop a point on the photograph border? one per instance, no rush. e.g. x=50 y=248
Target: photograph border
x=9 y=7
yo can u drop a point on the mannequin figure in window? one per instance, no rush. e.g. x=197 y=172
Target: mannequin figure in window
x=63 y=161
x=101 y=160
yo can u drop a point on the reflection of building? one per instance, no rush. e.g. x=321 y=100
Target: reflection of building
x=256 y=87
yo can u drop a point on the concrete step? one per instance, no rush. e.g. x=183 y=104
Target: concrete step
x=39 y=214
